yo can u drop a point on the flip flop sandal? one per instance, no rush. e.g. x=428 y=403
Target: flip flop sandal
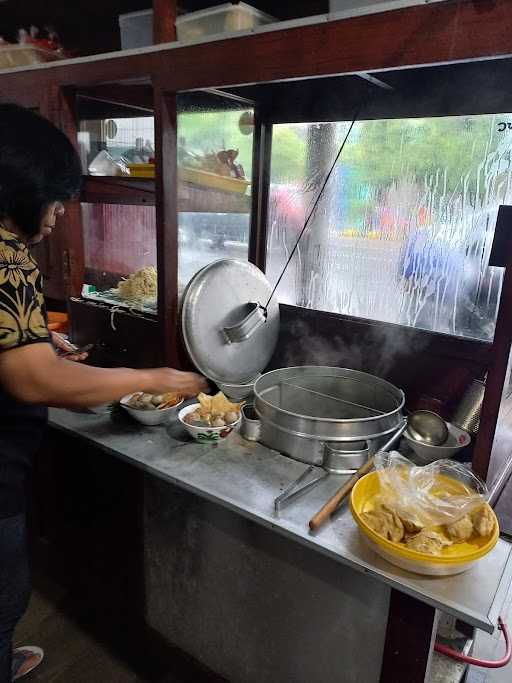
x=25 y=659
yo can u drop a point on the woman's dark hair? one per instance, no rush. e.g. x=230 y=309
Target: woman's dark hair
x=38 y=166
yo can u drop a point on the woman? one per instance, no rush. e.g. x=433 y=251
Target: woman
x=39 y=169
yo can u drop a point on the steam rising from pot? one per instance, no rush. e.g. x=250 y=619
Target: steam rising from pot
x=376 y=352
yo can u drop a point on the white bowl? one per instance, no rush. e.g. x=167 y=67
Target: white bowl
x=457 y=440
x=237 y=392
x=150 y=418
x=205 y=434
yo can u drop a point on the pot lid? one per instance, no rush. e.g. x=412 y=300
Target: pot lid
x=229 y=336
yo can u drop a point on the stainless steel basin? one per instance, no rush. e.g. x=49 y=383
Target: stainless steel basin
x=303 y=408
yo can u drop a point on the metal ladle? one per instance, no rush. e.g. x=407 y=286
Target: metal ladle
x=427 y=427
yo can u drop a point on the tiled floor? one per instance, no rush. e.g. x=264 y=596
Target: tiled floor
x=72 y=655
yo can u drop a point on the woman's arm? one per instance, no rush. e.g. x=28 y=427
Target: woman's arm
x=34 y=374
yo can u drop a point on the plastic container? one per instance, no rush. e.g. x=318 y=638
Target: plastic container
x=142 y=170
x=455 y=559
x=104 y=165
x=12 y=56
x=225 y=18
x=136 y=29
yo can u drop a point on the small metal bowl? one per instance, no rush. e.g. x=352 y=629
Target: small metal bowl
x=427 y=427
x=237 y=392
x=427 y=453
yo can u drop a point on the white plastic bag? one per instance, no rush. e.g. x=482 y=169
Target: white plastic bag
x=427 y=494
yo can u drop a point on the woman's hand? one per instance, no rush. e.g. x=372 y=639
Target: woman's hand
x=187 y=384
x=64 y=346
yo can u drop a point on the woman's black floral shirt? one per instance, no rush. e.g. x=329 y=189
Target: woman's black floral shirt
x=22 y=308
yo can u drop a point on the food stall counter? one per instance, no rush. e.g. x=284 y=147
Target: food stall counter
x=245 y=477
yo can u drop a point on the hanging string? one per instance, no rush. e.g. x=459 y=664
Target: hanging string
x=315 y=204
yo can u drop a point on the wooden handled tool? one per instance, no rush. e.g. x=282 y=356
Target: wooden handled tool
x=333 y=503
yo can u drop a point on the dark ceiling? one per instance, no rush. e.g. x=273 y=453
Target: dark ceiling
x=479 y=87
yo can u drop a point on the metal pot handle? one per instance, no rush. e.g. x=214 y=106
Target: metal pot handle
x=246 y=327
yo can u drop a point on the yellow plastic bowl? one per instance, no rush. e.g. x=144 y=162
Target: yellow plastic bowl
x=142 y=170
x=213 y=180
x=453 y=560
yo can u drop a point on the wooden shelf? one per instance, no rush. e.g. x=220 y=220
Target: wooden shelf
x=118 y=190
x=427 y=35
x=141 y=191
x=292 y=73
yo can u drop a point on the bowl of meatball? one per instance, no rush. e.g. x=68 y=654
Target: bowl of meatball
x=151 y=409
x=210 y=427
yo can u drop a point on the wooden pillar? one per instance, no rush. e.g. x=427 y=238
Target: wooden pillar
x=501 y=256
x=71 y=223
x=164 y=21
x=166 y=202
x=410 y=638
x=262 y=151
x=65 y=249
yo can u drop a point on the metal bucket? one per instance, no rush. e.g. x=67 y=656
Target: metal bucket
x=303 y=408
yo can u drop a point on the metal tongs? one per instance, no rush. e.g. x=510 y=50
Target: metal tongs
x=294 y=490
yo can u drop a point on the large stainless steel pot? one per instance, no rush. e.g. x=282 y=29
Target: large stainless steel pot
x=305 y=409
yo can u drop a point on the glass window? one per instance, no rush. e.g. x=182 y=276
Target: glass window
x=119 y=242
x=214 y=171
x=128 y=140
x=404 y=229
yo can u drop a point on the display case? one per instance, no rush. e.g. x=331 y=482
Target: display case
x=215 y=150
x=119 y=226
x=119 y=200
x=400 y=264
x=402 y=230
x=402 y=236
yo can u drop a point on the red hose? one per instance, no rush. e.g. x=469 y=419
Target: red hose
x=486 y=663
